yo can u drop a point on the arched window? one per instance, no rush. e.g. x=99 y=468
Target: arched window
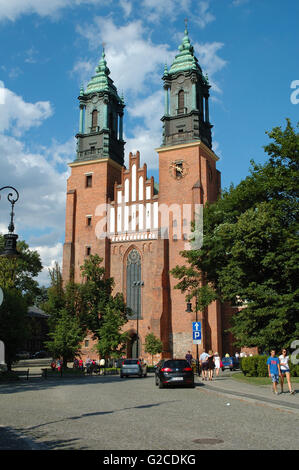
x=181 y=102
x=94 y=120
x=133 y=289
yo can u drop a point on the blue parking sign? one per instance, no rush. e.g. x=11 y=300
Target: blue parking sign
x=196 y=332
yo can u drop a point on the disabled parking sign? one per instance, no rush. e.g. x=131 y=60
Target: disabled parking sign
x=196 y=332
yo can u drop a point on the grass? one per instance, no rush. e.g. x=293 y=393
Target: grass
x=258 y=380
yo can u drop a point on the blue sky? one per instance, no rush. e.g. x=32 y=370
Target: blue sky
x=249 y=48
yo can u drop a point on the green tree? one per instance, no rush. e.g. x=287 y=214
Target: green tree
x=93 y=306
x=111 y=340
x=20 y=272
x=153 y=345
x=250 y=248
x=13 y=323
x=66 y=337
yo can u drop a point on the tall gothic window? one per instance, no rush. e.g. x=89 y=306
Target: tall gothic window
x=94 y=120
x=133 y=291
x=181 y=102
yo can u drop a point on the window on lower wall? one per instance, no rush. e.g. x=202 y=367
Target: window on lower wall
x=133 y=271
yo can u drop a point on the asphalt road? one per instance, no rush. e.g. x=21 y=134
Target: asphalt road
x=104 y=413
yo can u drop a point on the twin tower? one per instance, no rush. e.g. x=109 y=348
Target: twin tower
x=137 y=226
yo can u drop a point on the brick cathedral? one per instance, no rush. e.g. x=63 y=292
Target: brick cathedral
x=138 y=226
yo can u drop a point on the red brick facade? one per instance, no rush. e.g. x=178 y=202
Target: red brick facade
x=137 y=219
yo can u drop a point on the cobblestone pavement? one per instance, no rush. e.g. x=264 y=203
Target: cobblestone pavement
x=112 y=413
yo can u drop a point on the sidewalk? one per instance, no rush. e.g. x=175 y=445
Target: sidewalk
x=257 y=393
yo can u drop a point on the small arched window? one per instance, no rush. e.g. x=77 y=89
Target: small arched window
x=94 y=120
x=181 y=102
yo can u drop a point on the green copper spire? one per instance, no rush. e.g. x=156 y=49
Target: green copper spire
x=186 y=59
x=101 y=80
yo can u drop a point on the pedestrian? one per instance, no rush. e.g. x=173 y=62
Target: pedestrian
x=237 y=356
x=217 y=363
x=204 y=364
x=274 y=370
x=211 y=364
x=102 y=366
x=285 y=370
x=58 y=365
x=81 y=364
x=76 y=363
x=189 y=357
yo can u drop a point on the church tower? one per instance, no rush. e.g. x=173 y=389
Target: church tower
x=188 y=178
x=186 y=113
x=96 y=168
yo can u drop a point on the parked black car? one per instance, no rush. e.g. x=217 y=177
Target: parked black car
x=174 y=372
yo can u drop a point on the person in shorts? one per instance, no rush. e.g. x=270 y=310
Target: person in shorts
x=204 y=364
x=285 y=370
x=274 y=370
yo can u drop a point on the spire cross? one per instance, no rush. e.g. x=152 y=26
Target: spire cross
x=186 y=22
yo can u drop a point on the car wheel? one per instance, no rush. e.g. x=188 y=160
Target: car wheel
x=161 y=385
x=156 y=381
x=121 y=376
x=222 y=369
x=145 y=375
x=231 y=369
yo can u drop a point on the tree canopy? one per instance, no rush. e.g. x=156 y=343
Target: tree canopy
x=250 y=250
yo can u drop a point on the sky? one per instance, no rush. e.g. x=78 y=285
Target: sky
x=249 y=48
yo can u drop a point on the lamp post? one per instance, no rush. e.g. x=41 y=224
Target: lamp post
x=189 y=310
x=10 y=239
x=10 y=250
x=138 y=284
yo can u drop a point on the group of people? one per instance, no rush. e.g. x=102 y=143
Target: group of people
x=278 y=368
x=209 y=362
x=91 y=365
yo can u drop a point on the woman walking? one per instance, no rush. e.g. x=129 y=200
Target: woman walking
x=211 y=364
x=285 y=370
x=217 y=363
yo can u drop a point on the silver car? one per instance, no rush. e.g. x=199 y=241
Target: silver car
x=133 y=367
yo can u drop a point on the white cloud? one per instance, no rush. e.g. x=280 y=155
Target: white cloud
x=18 y=116
x=210 y=61
x=197 y=12
x=13 y=9
x=131 y=56
x=127 y=6
x=39 y=176
x=49 y=255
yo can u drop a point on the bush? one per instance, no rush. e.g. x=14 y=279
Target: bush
x=294 y=368
x=256 y=366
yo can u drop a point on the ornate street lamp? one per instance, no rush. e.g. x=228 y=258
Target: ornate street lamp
x=10 y=239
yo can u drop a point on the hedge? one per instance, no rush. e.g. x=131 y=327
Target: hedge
x=256 y=366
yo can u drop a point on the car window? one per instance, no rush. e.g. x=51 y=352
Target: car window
x=131 y=361
x=176 y=364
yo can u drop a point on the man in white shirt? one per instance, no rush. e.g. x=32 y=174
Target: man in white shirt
x=203 y=358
